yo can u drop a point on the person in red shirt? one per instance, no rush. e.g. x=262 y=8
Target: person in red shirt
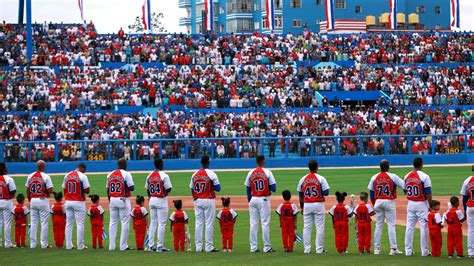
x=288 y=220
x=435 y=223
x=362 y=212
x=227 y=217
x=96 y=214
x=179 y=222
x=20 y=214
x=340 y=214
x=454 y=218
x=139 y=214
x=58 y=211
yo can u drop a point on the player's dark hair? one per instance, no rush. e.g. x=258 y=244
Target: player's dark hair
x=472 y=168
x=20 y=198
x=434 y=203
x=225 y=202
x=81 y=165
x=94 y=198
x=158 y=163
x=363 y=196
x=58 y=196
x=3 y=168
x=454 y=201
x=313 y=165
x=122 y=164
x=286 y=194
x=384 y=165
x=205 y=161
x=340 y=196
x=178 y=204
x=260 y=159
x=417 y=162
x=139 y=200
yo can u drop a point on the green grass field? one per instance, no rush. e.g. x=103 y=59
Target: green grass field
x=446 y=181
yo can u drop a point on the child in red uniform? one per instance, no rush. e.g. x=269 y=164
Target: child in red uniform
x=435 y=223
x=362 y=212
x=454 y=218
x=96 y=214
x=20 y=213
x=139 y=214
x=288 y=220
x=179 y=220
x=340 y=219
x=58 y=210
x=227 y=217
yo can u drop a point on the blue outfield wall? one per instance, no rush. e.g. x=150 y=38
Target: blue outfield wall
x=242 y=163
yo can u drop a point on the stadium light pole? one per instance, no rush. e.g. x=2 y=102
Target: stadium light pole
x=28 y=31
x=21 y=11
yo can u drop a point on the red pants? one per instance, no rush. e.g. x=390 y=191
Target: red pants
x=179 y=234
x=97 y=230
x=288 y=234
x=59 y=229
x=227 y=232
x=364 y=234
x=341 y=232
x=20 y=235
x=140 y=233
x=436 y=242
x=455 y=240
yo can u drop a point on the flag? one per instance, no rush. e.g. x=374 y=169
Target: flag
x=144 y=16
x=270 y=14
x=81 y=9
x=147 y=240
x=455 y=14
x=298 y=238
x=329 y=15
x=209 y=15
x=104 y=235
x=392 y=15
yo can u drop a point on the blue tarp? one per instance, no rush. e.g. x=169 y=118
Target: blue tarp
x=352 y=95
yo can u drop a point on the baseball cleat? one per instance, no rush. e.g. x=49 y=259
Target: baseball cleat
x=395 y=252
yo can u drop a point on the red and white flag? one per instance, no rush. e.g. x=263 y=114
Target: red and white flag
x=144 y=15
x=392 y=15
x=270 y=14
x=455 y=23
x=209 y=15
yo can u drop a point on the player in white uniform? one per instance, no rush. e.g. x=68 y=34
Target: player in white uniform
x=259 y=184
x=119 y=185
x=158 y=186
x=203 y=184
x=7 y=192
x=467 y=192
x=383 y=192
x=312 y=189
x=418 y=190
x=38 y=188
x=75 y=185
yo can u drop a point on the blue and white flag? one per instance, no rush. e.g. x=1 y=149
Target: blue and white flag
x=329 y=15
x=392 y=15
x=104 y=235
x=298 y=238
x=455 y=23
x=270 y=7
x=147 y=240
x=209 y=15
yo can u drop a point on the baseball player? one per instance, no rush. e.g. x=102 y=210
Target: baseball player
x=204 y=183
x=383 y=192
x=260 y=183
x=158 y=186
x=38 y=188
x=312 y=189
x=467 y=192
x=75 y=186
x=119 y=185
x=7 y=193
x=418 y=191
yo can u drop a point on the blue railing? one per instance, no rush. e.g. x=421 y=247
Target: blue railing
x=227 y=148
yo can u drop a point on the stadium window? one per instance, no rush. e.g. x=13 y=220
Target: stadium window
x=358 y=9
x=278 y=4
x=319 y=2
x=437 y=9
x=221 y=10
x=257 y=25
x=255 y=7
x=295 y=4
x=296 y=22
x=420 y=9
x=278 y=22
x=341 y=4
x=222 y=28
x=264 y=23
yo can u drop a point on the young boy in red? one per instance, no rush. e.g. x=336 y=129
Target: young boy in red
x=227 y=217
x=139 y=214
x=20 y=214
x=179 y=220
x=288 y=220
x=96 y=214
x=58 y=211
x=340 y=219
x=454 y=217
x=362 y=212
x=435 y=223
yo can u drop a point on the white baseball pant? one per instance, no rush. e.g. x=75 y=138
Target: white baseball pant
x=120 y=209
x=313 y=215
x=75 y=211
x=417 y=211
x=260 y=210
x=205 y=211
x=6 y=221
x=385 y=212
x=158 y=217
x=39 y=210
x=470 y=231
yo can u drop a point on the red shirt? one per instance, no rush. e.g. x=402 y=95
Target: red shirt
x=139 y=215
x=116 y=185
x=311 y=188
x=452 y=218
x=155 y=185
x=73 y=188
x=57 y=210
x=384 y=188
x=20 y=214
x=414 y=187
x=287 y=211
x=179 y=219
x=363 y=214
x=202 y=185
x=37 y=187
x=259 y=186
x=339 y=213
x=226 y=217
x=4 y=190
x=432 y=223
x=96 y=214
